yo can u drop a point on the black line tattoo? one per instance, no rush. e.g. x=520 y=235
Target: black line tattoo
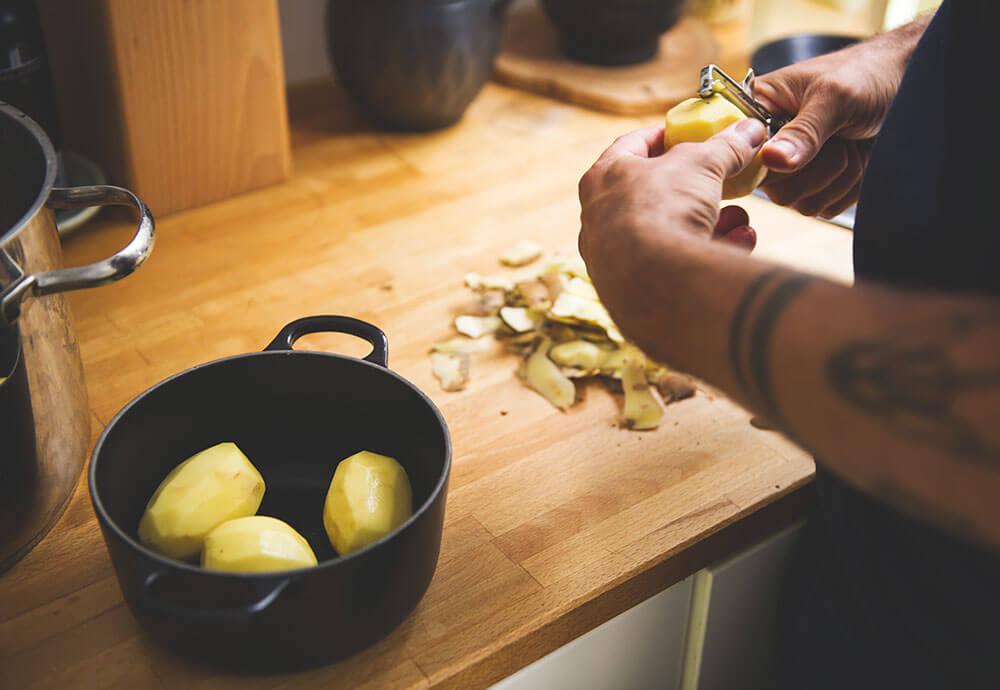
x=754 y=321
x=913 y=387
x=739 y=325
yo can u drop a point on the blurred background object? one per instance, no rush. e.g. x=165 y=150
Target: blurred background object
x=899 y=12
x=532 y=57
x=24 y=72
x=414 y=65
x=182 y=102
x=773 y=19
x=25 y=82
x=791 y=49
x=720 y=11
x=612 y=34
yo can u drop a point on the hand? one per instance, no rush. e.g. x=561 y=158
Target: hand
x=839 y=102
x=638 y=202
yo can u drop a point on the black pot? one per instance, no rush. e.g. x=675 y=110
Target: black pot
x=413 y=65
x=602 y=32
x=295 y=414
x=791 y=49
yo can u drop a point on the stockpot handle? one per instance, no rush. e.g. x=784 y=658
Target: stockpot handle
x=102 y=272
x=285 y=340
x=148 y=601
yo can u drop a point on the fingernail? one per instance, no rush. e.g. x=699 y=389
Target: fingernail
x=785 y=147
x=752 y=130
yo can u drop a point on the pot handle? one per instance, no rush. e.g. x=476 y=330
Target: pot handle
x=108 y=270
x=285 y=340
x=149 y=602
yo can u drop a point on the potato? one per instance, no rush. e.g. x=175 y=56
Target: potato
x=369 y=497
x=207 y=489
x=697 y=119
x=256 y=544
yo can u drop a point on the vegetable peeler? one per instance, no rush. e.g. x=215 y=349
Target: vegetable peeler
x=716 y=81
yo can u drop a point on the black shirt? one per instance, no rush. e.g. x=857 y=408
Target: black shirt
x=886 y=601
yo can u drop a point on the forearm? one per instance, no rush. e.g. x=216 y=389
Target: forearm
x=898 y=44
x=894 y=392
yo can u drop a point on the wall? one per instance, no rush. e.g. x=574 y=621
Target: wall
x=303 y=40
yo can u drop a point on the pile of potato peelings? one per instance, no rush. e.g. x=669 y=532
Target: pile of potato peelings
x=549 y=314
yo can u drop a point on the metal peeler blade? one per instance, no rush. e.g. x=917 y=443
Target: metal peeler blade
x=715 y=81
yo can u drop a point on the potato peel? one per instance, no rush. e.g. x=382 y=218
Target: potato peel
x=534 y=294
x=451 y=370
x=642 y=410
x=544 y=376
x=551 y=317
x=477 y=326
x=672 y=385
x=461 y=346
x=488 y=303
x=474 y=281
x=522 y=254
x=578 y=354
x=521 y=319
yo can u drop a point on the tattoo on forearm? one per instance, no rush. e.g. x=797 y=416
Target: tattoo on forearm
x=917 y=384
x=914 y=387
x=754 y=321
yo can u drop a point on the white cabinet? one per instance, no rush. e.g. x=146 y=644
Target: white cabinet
x=640 y=649
x=712 y=631
x=733 y=606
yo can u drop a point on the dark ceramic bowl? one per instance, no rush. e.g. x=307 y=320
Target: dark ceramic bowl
x=413 y=65
x=612 y=32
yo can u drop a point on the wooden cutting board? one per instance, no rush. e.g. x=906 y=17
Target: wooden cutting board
x=531 y=59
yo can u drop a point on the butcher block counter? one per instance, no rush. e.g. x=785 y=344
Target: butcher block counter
x=556 y=522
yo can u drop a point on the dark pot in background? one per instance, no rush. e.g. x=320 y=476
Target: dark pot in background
x=413 y=65
x=612 y=32
x=295 y=414
x=791 y=49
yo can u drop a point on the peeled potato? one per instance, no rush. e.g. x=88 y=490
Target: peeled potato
x=697 y=119
x=207 y=489
x=256 y=544
x=369 y=497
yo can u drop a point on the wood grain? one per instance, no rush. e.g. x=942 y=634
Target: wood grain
x=182 y=102
x=555 y=522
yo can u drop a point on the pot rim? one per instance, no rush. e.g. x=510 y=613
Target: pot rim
x=18 y=117
x=106 y=520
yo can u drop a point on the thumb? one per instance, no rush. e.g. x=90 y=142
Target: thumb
x=732 y=149
x=798 y=142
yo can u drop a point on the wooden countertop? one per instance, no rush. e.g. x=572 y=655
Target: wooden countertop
x=555 y=522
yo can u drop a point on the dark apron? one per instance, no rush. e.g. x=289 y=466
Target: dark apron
x=877 y=600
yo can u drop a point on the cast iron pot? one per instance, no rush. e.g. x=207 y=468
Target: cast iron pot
x=44 y=416
x=623 y=32
x=413 y=65
x=294 y=414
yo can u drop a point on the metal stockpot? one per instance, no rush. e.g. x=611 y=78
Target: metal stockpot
x=44 y=416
